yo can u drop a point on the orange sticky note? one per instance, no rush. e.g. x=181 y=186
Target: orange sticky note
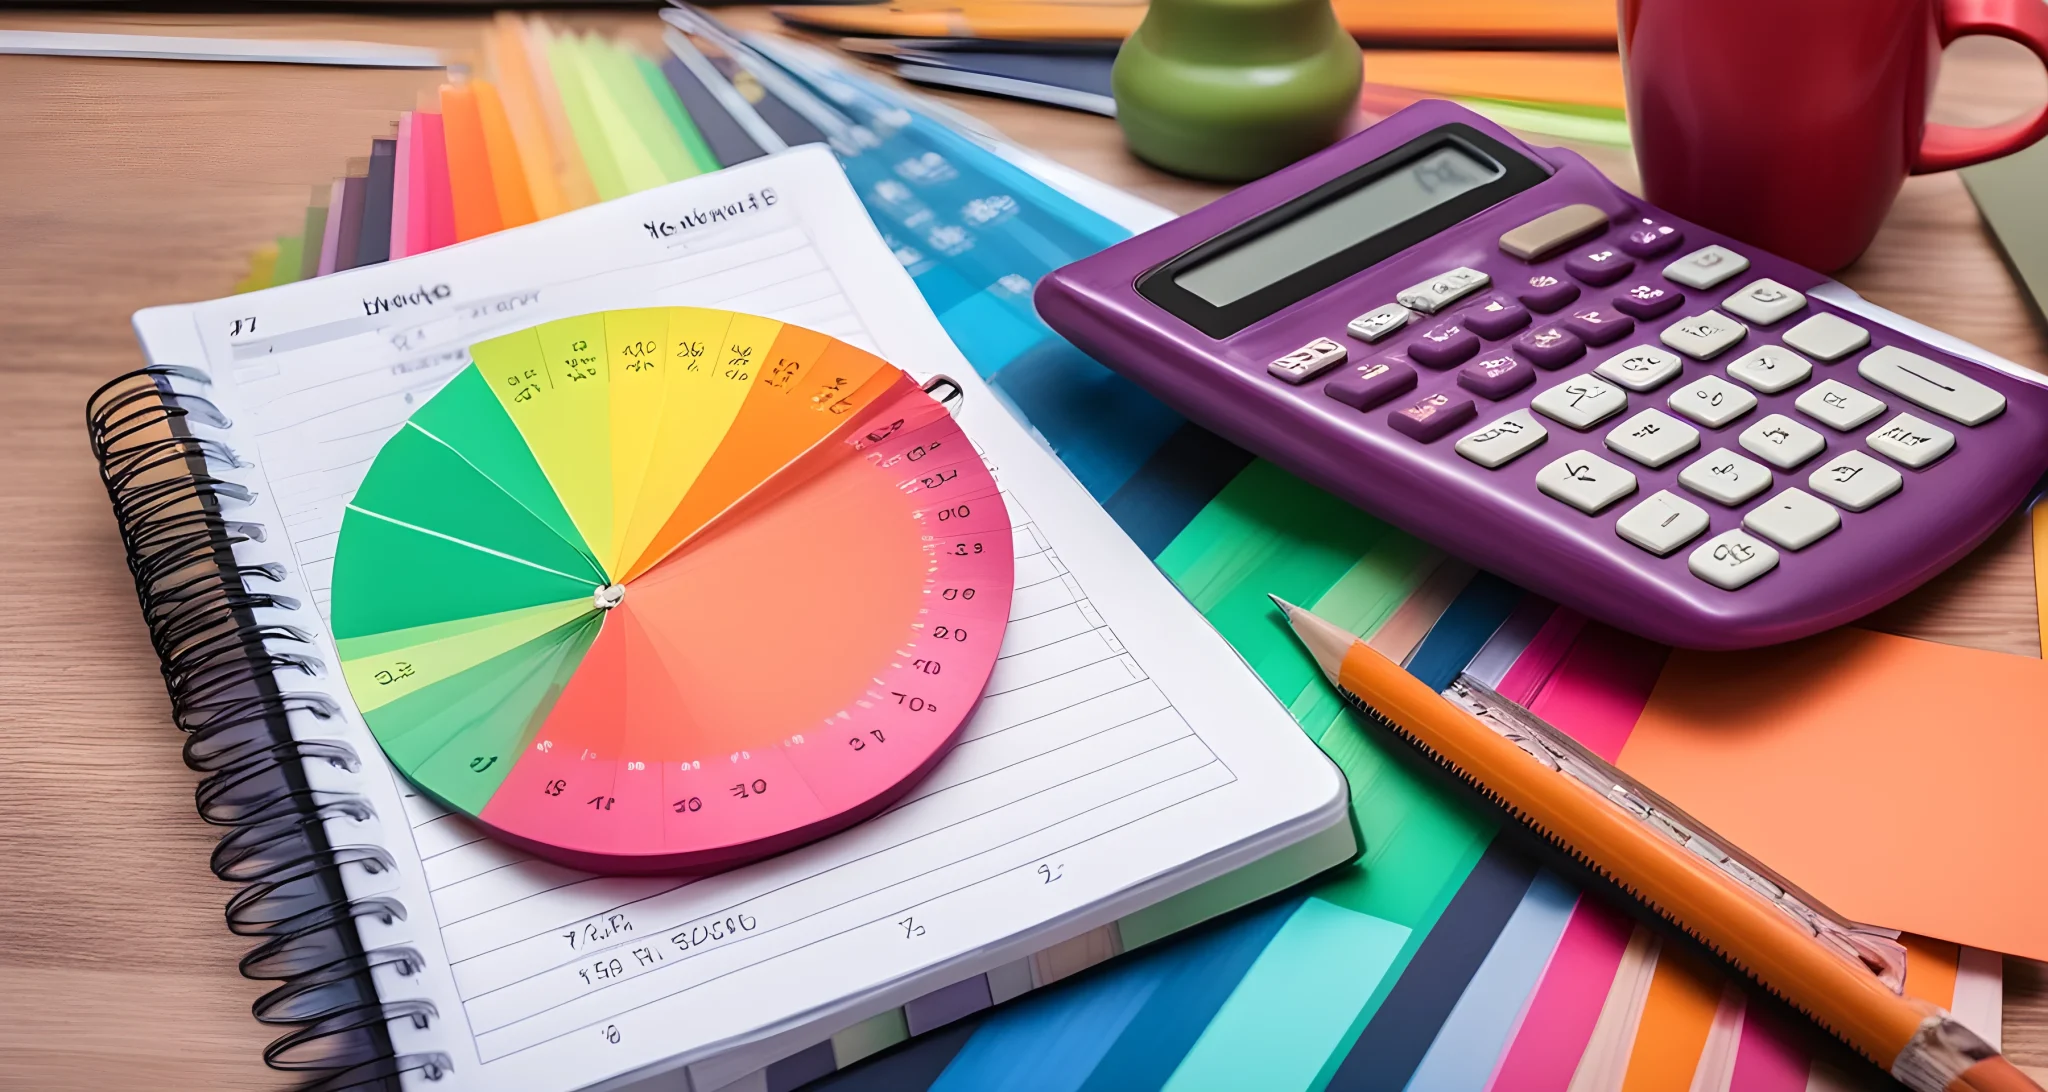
x=1897 y=780
x=469 y=164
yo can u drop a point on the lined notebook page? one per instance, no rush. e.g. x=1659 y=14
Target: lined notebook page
x=1120 y=747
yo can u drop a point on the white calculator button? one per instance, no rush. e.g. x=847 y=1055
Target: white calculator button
x=1827 y=337
x=1909 y=440
x=1653 y=438
x=1770 y=368
x=1726 y=477
x=1440 y=291
x=1309 y=361
x=1731 y=559
x=1839 y=406
x=1931 y=385
x=1663 y=522
x=1781 y=441
x=1764 y=301
x=1703 y=337
x=1854 y=480
x=1706 y=267
x=1712 y=401
x=1503 y=441
x=1379 y=322
x=1643 y=368
x=1581 y=402
x=1585 y=481
x=1794 y=519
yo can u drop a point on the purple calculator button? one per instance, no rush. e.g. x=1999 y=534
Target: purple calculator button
x=1647 y=301
x=1496 y=316
x=1368 y=383
x=1599 y=325
x=1600 y=265
x=1443 y=346
x=1550 y=347
x=1432 y=416
x=1646 y=238
x=1496 y=375
x=1547 y=293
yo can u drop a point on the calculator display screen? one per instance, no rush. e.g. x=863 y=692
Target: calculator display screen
x=1318 y=238
x=1389 y=200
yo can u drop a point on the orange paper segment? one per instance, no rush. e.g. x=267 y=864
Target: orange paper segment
x=1931 y=967
x=1897 y=780
x=508 y=178
x=1588 y=79
x=804 y=391
x=469 y=164
x=1677 y=1015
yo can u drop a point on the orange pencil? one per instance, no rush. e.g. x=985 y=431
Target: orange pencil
x=475 y=195
x=1674 y=867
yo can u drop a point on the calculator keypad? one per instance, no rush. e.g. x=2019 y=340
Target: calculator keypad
x=1581 y=402
x=1781 y=441
x=1704 y=336
x=1855 y=480
x=1764 y=301
x=1503 y=441
x=1931 y=385
x=1653 y=438
x=1827 y=337
x=1642 y=368
x=1496 y=347
x=1585 y=481
x=1726 y=477
x=1712 y=401
x=1769 y=369
x=1442 y=290
x=1550 y=347
x=1706 y=267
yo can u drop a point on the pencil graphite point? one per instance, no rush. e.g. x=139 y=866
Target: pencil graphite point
x=1325 y=640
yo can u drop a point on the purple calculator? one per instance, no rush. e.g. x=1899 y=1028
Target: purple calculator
x=1497 y=349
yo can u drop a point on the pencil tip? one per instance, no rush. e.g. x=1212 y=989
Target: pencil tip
x=1286 y=608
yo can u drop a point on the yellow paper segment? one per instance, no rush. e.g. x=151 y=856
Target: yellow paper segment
x=638 y=359
x=719 y=353
x=637 y=168
x=384 y=667
x=553 y=383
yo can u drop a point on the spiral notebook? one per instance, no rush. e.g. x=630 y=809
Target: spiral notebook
x=412 y=951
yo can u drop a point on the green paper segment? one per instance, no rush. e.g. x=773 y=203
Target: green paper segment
x=464 y=733
x=678 y=118
x=380 y=669
x=469 y=418
x=583 y=124
x=442 y=580
x=424 y=482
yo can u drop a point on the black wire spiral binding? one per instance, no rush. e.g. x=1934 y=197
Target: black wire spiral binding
x=222 y=667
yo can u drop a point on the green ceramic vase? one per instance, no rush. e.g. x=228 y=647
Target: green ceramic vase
x=1234 y=89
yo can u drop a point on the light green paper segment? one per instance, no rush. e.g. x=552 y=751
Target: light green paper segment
x=1291 y=1010
x=291 y=251
x=1594 y=125
x=442 y=651
x=314 y=239
x=469 y=418
x=638 y=168
x=563 y=62
x=679 y=118
x=390 y=577
x=634 y=97
x=459 y=738
x=418 y=479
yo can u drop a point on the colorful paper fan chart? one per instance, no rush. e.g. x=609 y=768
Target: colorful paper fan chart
x=671 y=589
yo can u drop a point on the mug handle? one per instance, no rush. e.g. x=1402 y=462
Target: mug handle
x=1946 y=147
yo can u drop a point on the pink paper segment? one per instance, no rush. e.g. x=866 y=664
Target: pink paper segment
x=440 y=195
x=1770 y=1058
x=402 y=206
x=1557 y=1021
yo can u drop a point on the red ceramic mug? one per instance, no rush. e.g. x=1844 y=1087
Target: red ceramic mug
x=1792 y=124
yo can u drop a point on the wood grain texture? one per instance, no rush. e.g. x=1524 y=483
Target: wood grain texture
x=125 y=184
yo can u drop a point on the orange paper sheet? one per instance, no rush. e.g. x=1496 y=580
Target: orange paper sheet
x=469 y=164
x=1677 y=1015
x=1586 y=79
x=1899 y=781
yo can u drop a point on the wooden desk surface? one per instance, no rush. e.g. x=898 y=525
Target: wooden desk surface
x=125 y=184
